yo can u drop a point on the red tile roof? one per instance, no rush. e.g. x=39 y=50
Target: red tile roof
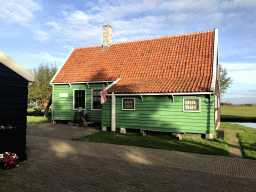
x=180 y=63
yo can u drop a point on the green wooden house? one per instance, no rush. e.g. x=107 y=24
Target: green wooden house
x=162 y=84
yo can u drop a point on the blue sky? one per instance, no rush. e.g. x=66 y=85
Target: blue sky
x=45 y=31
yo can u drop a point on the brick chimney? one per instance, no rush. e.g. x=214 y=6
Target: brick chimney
x=107 y=36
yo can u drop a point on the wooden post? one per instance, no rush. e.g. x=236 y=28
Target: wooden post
x=113 y=113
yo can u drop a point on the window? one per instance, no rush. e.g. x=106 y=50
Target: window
x=128 y=104
x=79 y=98
x=96 y=105
x=191 y=104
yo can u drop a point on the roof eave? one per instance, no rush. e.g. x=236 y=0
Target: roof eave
x=138 y=94
x=16 y=67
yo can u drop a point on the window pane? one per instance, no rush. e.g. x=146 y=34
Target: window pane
x=79 y=98
x=191 y=104
x=97 y=105
x=128 y=103
x=96 y=99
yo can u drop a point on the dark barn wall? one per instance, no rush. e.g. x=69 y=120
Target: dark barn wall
x=13 y=111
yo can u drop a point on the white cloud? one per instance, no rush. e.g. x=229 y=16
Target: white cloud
x=178 y=17
x=239 y=66
x=68 y=47
x=79 y=17
x=54 y=25
x=52 y=59
x=242 y=93
x=42 y=35
x=251 y=57
x=243 y=76
x=18 y=11
x=247 y=77
x=178 y=5
x=237 y=3
x=133 y=19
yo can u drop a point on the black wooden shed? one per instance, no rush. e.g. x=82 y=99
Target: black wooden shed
x=14 y=82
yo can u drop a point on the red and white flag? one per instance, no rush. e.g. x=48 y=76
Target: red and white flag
x=103 y=98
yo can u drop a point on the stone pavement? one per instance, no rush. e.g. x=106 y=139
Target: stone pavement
x=55 y=163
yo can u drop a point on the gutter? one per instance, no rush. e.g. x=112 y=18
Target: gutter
x=139 y=94
x=81 y=82
x=215 y=59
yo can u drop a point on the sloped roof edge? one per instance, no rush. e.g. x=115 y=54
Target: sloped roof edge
x=62 y=66
x=16 y=67
x=215 y=59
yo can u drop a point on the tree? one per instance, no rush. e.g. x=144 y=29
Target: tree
x=225 y=81
x=41 y=90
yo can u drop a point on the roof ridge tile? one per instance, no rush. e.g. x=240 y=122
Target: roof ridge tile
x=152 y=38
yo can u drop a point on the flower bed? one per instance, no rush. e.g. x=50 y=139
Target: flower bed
x=8 y=160
x=13 y=138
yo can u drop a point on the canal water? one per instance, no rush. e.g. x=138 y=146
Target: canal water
x=252 y=125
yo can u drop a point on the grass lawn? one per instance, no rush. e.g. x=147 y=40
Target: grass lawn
x=39 y=119
x=200 y=146
x=238 y=113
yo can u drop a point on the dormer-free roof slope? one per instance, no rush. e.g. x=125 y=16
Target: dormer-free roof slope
x=172 y=64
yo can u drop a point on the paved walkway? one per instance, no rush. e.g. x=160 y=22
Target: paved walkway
x=55 y=163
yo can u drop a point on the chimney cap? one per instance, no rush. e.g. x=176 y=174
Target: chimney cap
x=107 y=26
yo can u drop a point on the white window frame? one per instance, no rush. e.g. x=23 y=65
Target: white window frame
x=92 y=101
x=192 y=98
x=74 y=98
x=123 y=104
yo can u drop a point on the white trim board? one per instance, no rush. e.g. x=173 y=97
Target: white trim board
x=82 y=82
x=215 y=59
x=16 y=67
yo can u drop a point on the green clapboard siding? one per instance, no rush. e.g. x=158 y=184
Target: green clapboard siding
x=160 y=113
x=63 y=106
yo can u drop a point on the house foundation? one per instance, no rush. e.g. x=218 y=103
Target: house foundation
x=122 y=130
x=209 y=136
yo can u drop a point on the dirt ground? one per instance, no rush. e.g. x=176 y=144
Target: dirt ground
x=55 y=163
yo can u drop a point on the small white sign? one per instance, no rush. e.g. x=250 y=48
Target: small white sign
x=63 y=95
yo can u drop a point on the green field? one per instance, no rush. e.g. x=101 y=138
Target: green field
x=238 y=113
